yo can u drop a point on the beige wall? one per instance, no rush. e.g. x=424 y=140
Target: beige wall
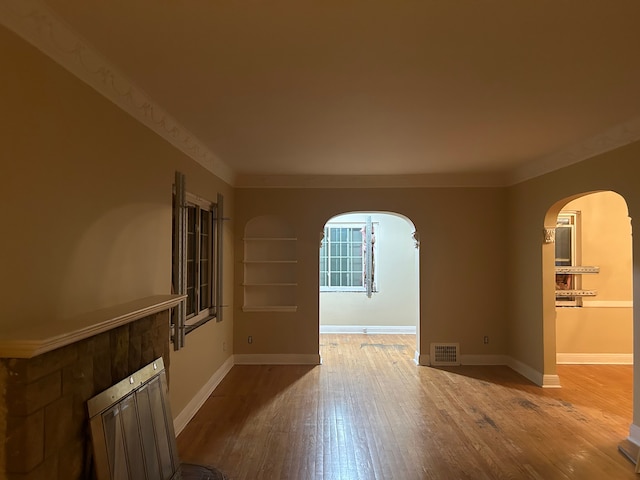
x=462 y=263
x=86 y=224
x=534 y=204
x=395 y=302
x=602 y=325
x=86 y=208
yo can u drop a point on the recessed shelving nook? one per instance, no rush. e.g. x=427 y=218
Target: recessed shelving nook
x=566 y=280
x=270 y=266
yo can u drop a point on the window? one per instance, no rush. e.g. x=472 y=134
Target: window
x=567 y=256
x=347 y=258
x=197 y=261
x=199 y=256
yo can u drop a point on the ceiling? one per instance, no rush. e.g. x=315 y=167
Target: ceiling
x=355 y=87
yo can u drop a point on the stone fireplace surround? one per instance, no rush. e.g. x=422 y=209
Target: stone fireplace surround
x=48 y=373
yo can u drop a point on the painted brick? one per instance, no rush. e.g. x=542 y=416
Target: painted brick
x=73 y=460
x=24 y=446
x=120 y=353
x=62 y=424
x=26 y=398
x=47 y=470
x=29 y=369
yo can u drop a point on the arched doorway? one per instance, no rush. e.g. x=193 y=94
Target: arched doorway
x=369 y=270
x=588 y=284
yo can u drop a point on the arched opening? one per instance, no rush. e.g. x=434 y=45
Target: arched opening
x=369 y=270
x=588 y=291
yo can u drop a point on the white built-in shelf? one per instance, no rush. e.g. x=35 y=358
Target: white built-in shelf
x=576 y=293
x=577 y=270
x=270 y=266
x=27 y=341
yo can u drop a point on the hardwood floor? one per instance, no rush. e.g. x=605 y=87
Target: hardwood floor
x=370 y=413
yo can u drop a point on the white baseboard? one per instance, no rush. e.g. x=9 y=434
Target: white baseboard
x=483 y=359
x=634 y=434
x=183 y=418
x=423 y=360
x=369 y=329
x=551 y=381
x=277 y=359
x=546 y=381
x=594 y=358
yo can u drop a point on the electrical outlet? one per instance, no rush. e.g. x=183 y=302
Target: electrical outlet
x=249 y=339
x=485 y=340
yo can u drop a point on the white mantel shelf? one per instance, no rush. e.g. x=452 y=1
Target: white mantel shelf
x=28 y=342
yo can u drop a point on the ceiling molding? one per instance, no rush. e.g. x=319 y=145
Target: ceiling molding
x=614 y=137
x=42 y=28
x=37 y=24
x=444 y=180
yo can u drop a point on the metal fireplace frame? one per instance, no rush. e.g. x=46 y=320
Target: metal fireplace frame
x=132 y=428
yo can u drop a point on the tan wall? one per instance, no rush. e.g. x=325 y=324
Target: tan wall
x=462 y=263
x=395 y=302
x=86 y=207
x=536 y=203
x=601 y=326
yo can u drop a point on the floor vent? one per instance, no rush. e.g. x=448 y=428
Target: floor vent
x=445 y=354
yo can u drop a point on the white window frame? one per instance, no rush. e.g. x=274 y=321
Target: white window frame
x=576 y=284
x=182 y=322
x=325 y=243
x=208 y=311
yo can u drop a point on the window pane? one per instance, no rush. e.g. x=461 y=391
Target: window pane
x=356 y=264
x=343 y=250
x=563 y=246
x=205 y=300
x=191 y=260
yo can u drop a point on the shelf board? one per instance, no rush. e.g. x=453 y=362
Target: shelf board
x=269 y=284
x=576 y=293
x=269 y=308
x=577 y=270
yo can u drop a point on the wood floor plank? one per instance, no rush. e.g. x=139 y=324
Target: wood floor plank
x=370 y=413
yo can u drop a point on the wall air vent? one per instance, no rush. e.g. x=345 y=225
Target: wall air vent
x=445 y=354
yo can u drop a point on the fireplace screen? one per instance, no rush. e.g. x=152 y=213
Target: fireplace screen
x=132 y=428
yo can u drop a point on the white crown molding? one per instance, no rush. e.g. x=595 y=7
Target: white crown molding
x=444 y=180
x=614 y=137
x=41 y=27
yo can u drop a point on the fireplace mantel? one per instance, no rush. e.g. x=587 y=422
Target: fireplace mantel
x=28 y=342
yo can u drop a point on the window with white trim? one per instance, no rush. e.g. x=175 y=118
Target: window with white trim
x=347 y=258
x=566 y=243
x=197 y=261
